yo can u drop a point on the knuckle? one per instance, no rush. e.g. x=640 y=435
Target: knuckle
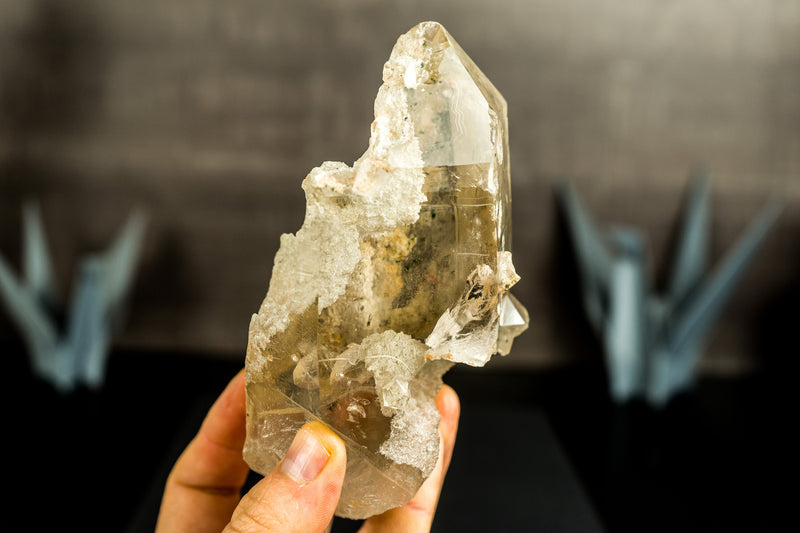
x=252 y=516
x=247 y=521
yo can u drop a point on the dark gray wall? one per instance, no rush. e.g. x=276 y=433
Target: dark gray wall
x=210 y=113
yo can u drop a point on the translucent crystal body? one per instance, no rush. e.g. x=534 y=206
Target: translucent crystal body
x=401 y=267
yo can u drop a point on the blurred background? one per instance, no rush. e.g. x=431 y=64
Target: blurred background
x=209 y=114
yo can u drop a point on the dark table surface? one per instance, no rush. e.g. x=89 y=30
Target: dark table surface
x=536 y=451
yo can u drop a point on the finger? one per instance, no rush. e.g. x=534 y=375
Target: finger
x=203 y=488
x=417 y=514
x=301 y=494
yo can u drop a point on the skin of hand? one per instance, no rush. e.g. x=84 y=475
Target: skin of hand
x=202 y=493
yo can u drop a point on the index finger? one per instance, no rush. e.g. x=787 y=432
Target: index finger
x=203 y=488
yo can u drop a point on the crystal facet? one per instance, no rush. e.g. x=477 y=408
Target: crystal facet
x=401 y=267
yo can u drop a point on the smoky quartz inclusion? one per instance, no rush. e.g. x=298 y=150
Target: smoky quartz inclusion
x=401 y=268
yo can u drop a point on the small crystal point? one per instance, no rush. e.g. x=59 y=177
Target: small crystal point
x=401 y=268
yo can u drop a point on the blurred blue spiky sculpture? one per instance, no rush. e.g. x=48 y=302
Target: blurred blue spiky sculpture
x=652 y=342
x=76 y=353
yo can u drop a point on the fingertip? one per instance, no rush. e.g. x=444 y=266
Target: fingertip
x=447 y=403
x=331 y=478
x=238 y=378
x=226 y=419
x=329 y=440
x=302 y=493
x=237 y=384
x=234 y=393
x=315 y=451
x=450 y=408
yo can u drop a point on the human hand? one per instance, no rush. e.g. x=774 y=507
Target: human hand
x=203 y=490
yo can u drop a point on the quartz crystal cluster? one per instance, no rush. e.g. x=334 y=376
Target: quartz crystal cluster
x=401 y=268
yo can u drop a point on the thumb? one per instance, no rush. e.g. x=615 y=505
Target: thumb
x=301 y=494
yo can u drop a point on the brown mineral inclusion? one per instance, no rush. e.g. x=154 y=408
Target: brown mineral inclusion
x=401 y=268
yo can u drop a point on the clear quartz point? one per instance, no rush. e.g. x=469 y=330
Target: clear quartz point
x=401 y=268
